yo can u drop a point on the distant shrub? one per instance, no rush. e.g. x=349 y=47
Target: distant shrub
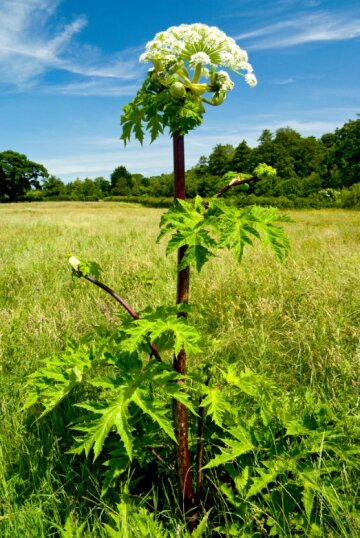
x=350 y=198
x=33 y=196
x=147 y=201
x=324 y=198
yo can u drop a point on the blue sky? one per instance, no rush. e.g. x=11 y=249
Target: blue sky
x=68 y=66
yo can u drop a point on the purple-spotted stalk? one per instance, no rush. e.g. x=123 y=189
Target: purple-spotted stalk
x=182 y=297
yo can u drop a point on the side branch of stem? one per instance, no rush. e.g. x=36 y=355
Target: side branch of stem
x=235 y=182
x=125 y=305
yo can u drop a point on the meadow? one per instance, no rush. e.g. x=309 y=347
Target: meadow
x=297 y=323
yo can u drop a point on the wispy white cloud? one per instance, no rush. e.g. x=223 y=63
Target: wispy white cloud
x=284 y=82
x=298 y=30
x=295 y=79
x=28 y=49
x=93 y=87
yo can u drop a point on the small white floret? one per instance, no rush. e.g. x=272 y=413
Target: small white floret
x=251 y=79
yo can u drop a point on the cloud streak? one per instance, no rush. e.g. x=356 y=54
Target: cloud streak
x=28 y=50
x=93 y=87
x=316 y=27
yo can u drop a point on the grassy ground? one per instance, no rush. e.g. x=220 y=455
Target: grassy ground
x=297 y=322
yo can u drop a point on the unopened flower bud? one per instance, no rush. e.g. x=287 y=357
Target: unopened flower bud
x=177 y=90
x=219 y=98
x=75 y=263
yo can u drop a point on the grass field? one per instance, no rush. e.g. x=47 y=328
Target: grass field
x=297 y=323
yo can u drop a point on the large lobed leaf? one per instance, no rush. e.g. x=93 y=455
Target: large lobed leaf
x=205 y=227
x=169 y=332
x=113 y=414
x=50 y=384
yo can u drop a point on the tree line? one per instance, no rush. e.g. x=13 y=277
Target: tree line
x=307 y=168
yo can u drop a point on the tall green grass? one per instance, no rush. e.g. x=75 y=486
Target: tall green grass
x=298 y=323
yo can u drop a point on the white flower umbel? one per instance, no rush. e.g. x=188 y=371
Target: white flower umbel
x=187 y=50
x=224 y=81
x=199 y=58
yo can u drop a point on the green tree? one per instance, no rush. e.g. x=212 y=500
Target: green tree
x=202 y=167
x=90 y=190
x=241 y=159
x=75 y=189
x=264 y=152
x=138 y=188
x=162 y=185
x=203 y=185
x=52 y=187
x=121 y=181
x=103 y=186
x=18 y=175
x=346 y=155
x=286 y=146
x=220 y=159
x=310 y=156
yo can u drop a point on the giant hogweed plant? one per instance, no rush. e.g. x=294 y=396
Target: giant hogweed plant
x=275 y=461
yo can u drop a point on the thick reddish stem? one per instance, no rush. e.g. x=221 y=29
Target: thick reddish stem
x=182 y=297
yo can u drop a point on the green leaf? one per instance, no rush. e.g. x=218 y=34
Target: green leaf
x=115 y=466
x=241 y=480
x=153 y=108
x=234 y=447
x=247 y=381
x=113 y=415
x=264 y=171
x=196 y=255
x=50 y=384
x=238 y=227
x=261 y=482
x=308 y=497
x=185 y=221
x=198 y=532
x=220 y=226
x=157 y=412
x=216 y=403
x=172 y=331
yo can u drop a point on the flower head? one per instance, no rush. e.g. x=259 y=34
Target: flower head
x=190 y=69
x=197 y=44
x=224 y=81
x=199 y=58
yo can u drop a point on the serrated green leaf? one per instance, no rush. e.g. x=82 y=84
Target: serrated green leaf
x=185 y=221
x=241 y=480
x=216 y=404
x=158 y=413
x=112 y=533
x=232 y=228
x=198 y=532
x=180 y=334
x=234 y=447
x=113 y=415
x=50 y=384
x=262 y=481
x=115 y=466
